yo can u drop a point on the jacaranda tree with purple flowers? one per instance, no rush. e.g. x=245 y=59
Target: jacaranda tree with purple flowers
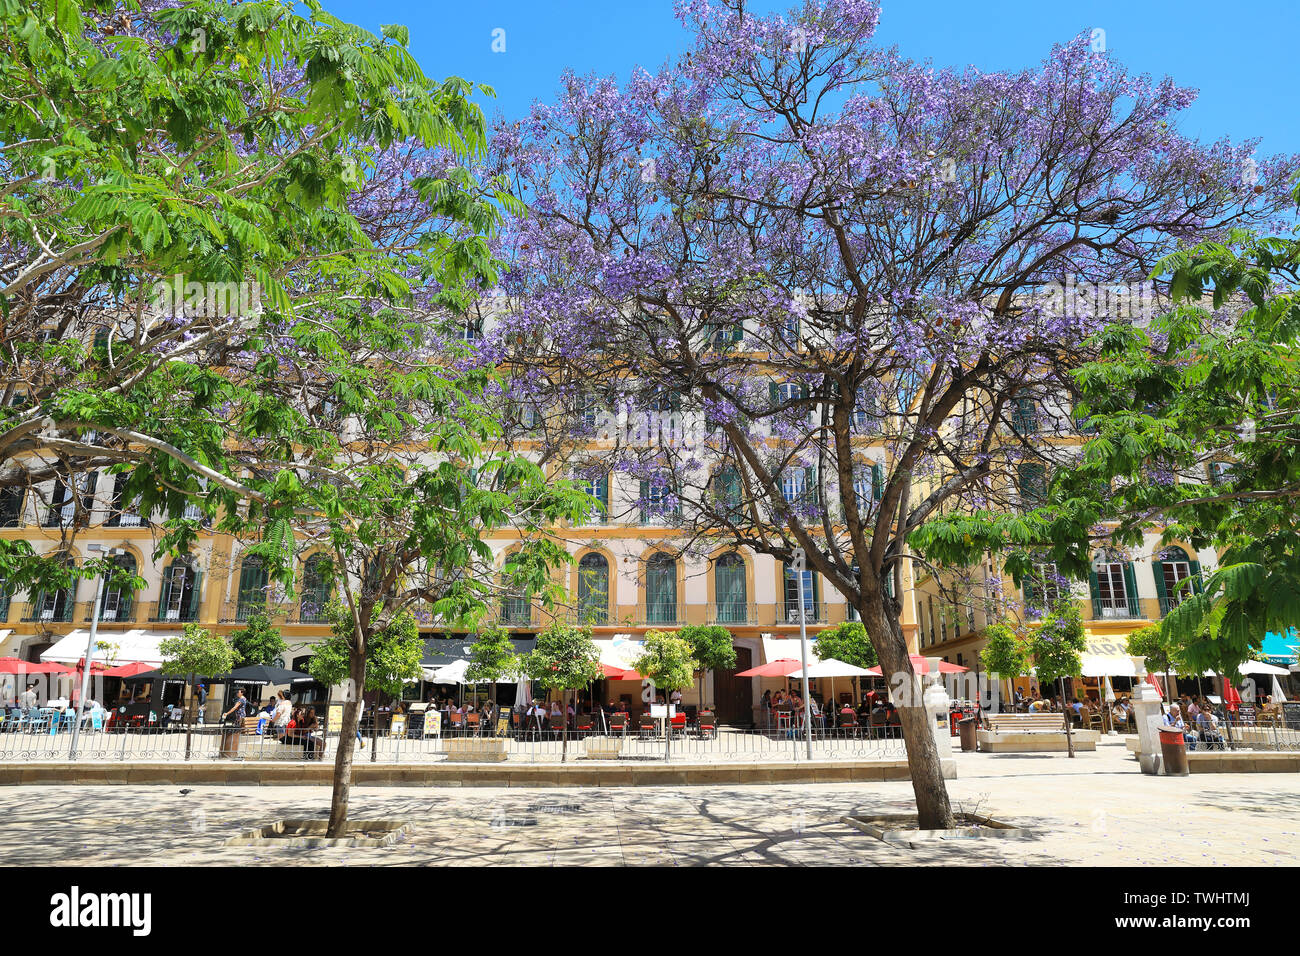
x=812 y=294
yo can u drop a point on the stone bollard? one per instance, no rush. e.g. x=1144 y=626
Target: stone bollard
x=1147 y=716
x=937 y=703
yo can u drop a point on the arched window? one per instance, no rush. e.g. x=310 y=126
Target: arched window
x=117 y=603
x=516 y=604
x=252 y=588
x=810 y=596
x=593 y=589
x=55 y=605
x=315 y=589
x=180 y=596
x=661 y=590
x=1177 y=577
x=730 y=589
x=1114 y=591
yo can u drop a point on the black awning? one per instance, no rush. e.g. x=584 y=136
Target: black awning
x=439 y=651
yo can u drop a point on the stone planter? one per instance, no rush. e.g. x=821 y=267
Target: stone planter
x=311 y=833
x=475 y=749
x=602 y=748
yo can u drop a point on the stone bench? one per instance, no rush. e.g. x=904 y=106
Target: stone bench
x=1032 y=733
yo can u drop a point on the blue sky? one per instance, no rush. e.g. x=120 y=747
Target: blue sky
x=1241 y=55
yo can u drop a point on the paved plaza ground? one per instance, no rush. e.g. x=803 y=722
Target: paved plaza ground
x=1096 y=809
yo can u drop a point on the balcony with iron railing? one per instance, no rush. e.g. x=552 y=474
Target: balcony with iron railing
x=732 y=612
x=814 y=612
x=38 y=613
x=660 y=613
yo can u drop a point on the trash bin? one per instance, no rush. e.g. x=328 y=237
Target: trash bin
x=230 y=734
x=966 y=729
x=1174 y=750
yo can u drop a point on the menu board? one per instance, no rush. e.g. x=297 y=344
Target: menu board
x=1291 y=714
x=1246 y=714
x=334 y=718
x=397 y=728
x=433 y=723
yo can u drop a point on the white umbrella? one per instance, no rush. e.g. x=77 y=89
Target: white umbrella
x=1277 y=690
x=832 y=668
x=453 y=673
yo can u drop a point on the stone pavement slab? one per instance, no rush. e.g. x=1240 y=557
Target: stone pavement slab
x=1094 y=809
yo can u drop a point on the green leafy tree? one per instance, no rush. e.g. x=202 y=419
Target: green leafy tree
x=847 y=642
x=668 y=661
x=258 y=641
x=492 y=658
x=393 y=653
x=196 y=653
x=1004 y=653
x=711 y=646
x=1057 y=646
x=564 y=658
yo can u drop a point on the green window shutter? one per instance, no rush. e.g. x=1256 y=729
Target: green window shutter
x=196 y=596
x=645 y=498
x=877 y=482
x=1196 y=575
x=1096 y=591
x=1130 y=590
x=1162 y=592
x=602 y=489
x=772 y=393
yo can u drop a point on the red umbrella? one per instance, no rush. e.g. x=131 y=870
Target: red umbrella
x=49 y=667
x=127 y=670
x=1151 y=679
x=782 y=667
x=610 y=672
x=14 y=665
x=629 y=674
x=1230 y=696
x=922 y=666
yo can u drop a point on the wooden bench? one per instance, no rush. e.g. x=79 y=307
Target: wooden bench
x=1032 y=733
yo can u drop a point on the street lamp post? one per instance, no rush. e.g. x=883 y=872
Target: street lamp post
x=90 y=647
x=799 y=563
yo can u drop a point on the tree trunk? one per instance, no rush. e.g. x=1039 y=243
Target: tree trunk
x=346 y=747
x=1065 y=707
x=934 y=812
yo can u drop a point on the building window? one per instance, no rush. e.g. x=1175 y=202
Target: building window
x=1032 y=481
x=864 y=409
x=315 y=589
x=1041 y=587
x=791 y=589
x=55 y=605
x=117 y=603
x=658 y=504
x=1177 y=576
x=11 y=507
x=593 y=589
x=252 y=588
x=180 y=592
x=121 y=515
x=730 y=589
x=1024 y=417
x=661 y=589
x=1113 y=591
x=596 y=485
x=63 y=503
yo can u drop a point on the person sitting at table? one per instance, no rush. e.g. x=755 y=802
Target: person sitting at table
x=1174 y=721
x=1207 y=727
